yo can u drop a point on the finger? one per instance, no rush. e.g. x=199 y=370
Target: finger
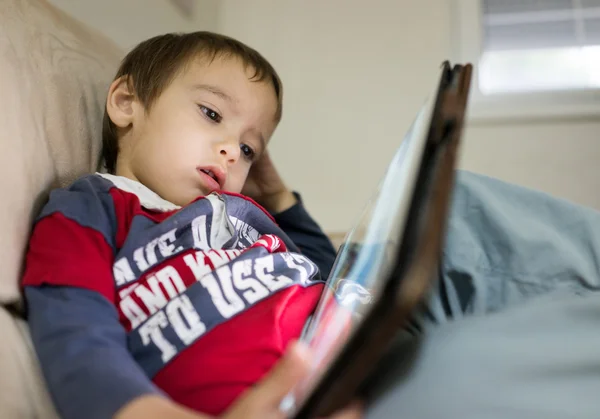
x=285 y=375
x=354 y=411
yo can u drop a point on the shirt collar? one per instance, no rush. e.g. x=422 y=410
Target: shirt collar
x=148 y=198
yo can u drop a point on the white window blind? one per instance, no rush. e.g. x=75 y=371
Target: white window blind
x=531 y=24
x=534 y=45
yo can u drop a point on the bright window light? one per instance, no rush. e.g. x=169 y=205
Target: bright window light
x=539 y=70
x=539 y=45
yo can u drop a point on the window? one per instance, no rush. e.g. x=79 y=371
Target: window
x=532 y=57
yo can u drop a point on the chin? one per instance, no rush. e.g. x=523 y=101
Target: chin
x=189 y=200
x=179 y=200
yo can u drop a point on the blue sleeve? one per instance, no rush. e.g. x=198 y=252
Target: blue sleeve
x=83 y=353
x=308 y=236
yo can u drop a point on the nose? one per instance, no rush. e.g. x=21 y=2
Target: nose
x=230 y=150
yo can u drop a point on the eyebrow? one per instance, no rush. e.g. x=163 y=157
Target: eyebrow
x=215 y=91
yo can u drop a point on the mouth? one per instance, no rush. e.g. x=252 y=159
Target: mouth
x=213 y=176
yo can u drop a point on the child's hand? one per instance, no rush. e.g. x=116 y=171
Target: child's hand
x=265 y=186
x=264 y=400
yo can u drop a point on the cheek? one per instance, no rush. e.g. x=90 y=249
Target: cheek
x=169 y=157
x=236 y=178
x=179 y=138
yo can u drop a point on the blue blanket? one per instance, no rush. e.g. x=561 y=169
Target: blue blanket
x=507 y=243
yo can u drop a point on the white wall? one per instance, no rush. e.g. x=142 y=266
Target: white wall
x=559 y=157
x=129 y=22
x=355 y=74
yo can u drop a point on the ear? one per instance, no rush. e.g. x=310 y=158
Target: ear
x=120 y=102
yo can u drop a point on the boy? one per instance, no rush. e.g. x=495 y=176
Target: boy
x=157 y=290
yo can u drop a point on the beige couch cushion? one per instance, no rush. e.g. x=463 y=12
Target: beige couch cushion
x=54 y=72
x=23 y=393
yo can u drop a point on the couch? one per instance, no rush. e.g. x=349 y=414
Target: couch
x=54 y=73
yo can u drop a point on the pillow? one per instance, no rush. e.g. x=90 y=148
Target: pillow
x=54 y=74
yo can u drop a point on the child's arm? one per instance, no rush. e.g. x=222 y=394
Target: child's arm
x=70 y=295
x=303 y=230
x=69 y=290
x=83 y=354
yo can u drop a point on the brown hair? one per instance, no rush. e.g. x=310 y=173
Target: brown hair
x=153 y=64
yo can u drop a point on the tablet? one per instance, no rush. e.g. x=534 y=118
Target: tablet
x=389 y=258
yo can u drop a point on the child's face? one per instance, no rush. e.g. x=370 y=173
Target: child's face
x=201 y=134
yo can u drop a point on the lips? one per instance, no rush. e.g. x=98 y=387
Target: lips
x=213 y=176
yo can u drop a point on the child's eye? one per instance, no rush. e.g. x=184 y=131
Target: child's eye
x=247 y=151
x=210 y=114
